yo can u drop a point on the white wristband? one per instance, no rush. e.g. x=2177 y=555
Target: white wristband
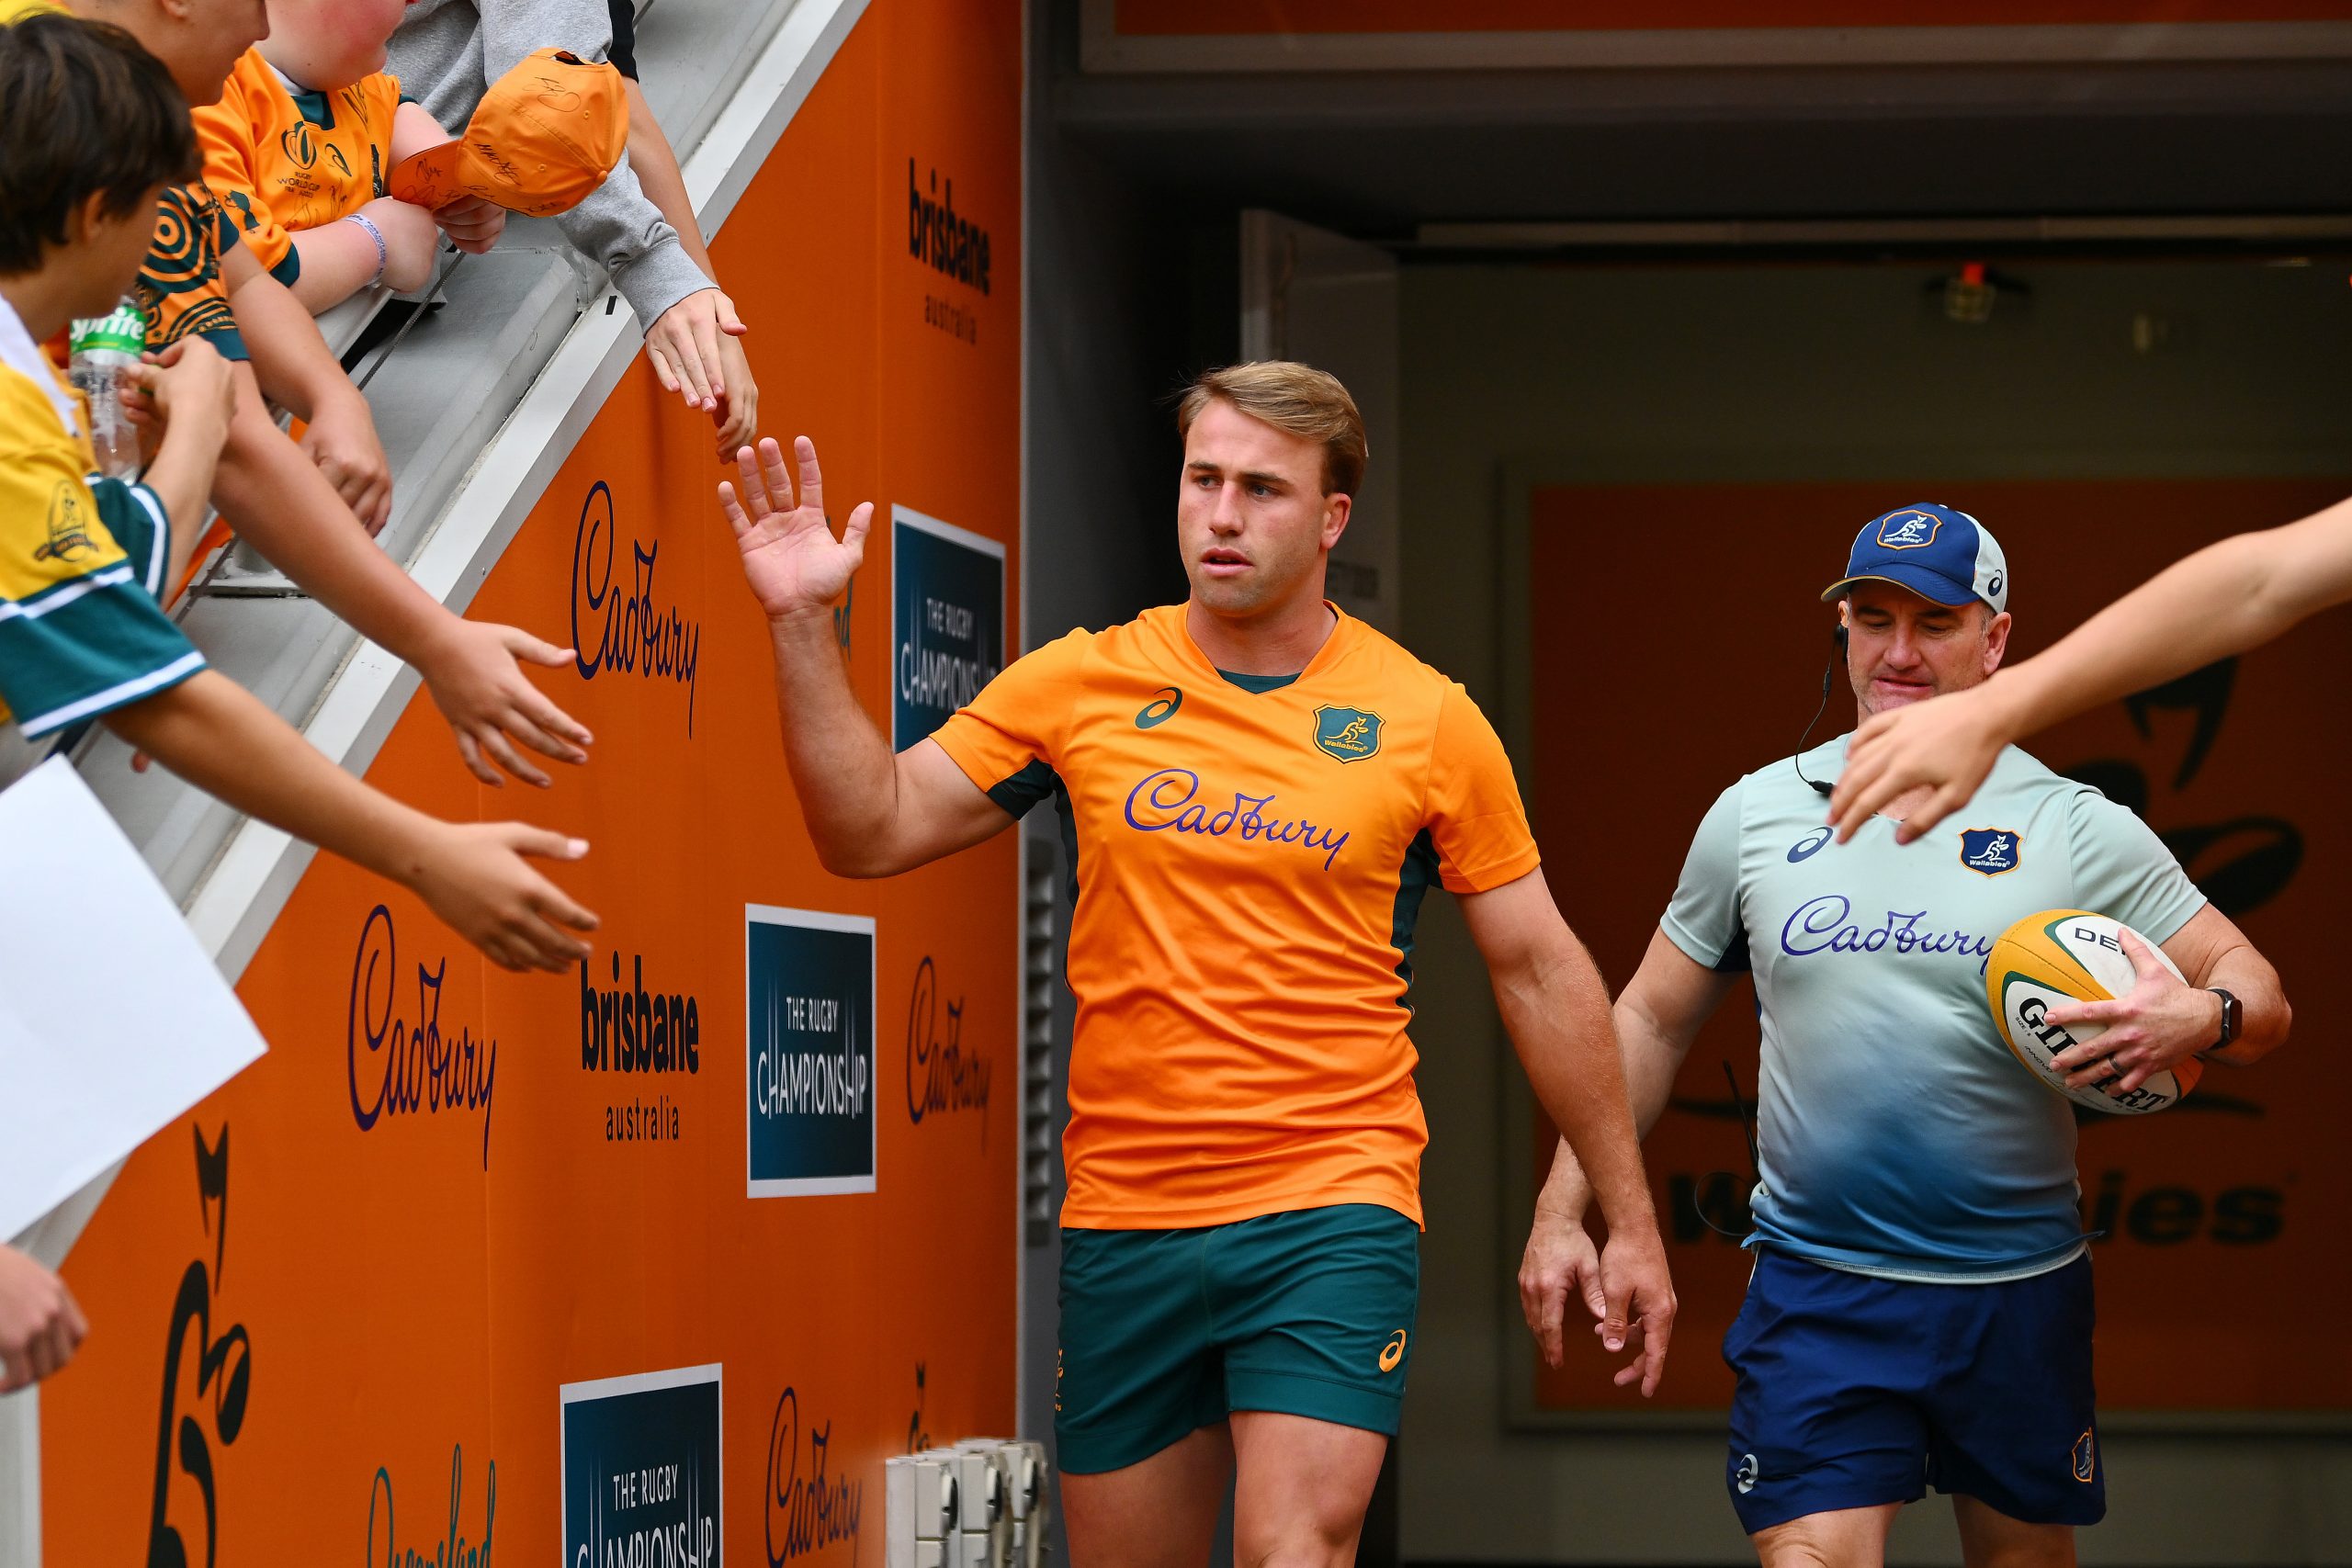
x=383 y=257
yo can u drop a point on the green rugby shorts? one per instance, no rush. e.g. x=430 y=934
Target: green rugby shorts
x=1308 y=1312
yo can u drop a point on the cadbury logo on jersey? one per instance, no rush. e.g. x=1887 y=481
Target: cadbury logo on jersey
x=1825 y=925
x=1171 y=799
x=1993 y=852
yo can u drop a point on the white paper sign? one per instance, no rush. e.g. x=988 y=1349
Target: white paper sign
x=113 y=1020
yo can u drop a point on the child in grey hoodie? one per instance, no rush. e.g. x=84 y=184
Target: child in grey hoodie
x=447 y=52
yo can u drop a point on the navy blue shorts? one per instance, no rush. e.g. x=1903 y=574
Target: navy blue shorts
x=1856 y=1391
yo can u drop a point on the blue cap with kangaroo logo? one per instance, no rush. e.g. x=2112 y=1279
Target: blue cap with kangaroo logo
x=1937 y=552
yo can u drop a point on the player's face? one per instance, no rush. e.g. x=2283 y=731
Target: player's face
x=1251 y=517
x=1903 y=649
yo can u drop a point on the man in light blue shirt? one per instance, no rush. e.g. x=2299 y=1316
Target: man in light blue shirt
x=1921 y=1307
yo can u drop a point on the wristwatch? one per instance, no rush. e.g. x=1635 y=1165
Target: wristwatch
x=2233 y=1020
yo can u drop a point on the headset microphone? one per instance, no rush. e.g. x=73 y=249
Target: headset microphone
x=1828 y=675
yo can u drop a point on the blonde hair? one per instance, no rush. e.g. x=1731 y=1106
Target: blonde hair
x=1290 y=397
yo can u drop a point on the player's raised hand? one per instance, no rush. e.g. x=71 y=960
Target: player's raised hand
x=790 y=557
x=1948 y=743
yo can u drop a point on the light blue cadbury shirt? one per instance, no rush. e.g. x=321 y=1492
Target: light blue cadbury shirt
x=1897 y=1135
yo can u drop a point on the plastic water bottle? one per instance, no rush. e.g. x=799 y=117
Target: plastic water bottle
x=103 y=346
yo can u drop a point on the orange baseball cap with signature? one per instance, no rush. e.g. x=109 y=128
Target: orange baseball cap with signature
x=540 y=141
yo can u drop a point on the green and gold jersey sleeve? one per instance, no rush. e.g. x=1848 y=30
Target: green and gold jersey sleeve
x=81 y=632
x=1476 y=819
x=1007 y=738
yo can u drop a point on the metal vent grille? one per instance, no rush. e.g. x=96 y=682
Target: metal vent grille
x=1040 y=907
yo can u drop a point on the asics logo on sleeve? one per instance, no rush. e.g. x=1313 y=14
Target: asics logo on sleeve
x=1393 y=1353
x=1157 y=713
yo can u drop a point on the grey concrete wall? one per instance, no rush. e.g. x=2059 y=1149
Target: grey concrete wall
x=1753 y=373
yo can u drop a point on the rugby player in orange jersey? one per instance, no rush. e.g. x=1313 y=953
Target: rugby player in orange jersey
x=1259 y=790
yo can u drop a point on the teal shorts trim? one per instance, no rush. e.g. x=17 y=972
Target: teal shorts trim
x=1308 y=1312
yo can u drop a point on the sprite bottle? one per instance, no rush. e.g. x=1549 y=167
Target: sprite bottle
x=103 y=346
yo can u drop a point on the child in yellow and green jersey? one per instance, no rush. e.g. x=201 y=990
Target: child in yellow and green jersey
x=299 y=147
x=96 y=129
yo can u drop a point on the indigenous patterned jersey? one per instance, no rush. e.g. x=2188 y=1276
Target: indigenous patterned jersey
x=1249 y=863
x=81 y=562
x=281 y=160
x=180 y=289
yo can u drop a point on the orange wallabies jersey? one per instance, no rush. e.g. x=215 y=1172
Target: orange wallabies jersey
x=281 y=160
x=1249 y=867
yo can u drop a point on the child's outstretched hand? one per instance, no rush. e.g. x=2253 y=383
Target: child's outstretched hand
x=478 y=878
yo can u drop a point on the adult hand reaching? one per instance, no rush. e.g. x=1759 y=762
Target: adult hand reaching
x=790 y=557
x=1946 y=744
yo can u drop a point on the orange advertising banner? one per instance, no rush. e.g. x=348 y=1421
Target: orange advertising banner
x=656 y=1261
x=1257 y=18
x=2218 y=1224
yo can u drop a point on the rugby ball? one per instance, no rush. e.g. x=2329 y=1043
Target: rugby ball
x=2072 y=956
